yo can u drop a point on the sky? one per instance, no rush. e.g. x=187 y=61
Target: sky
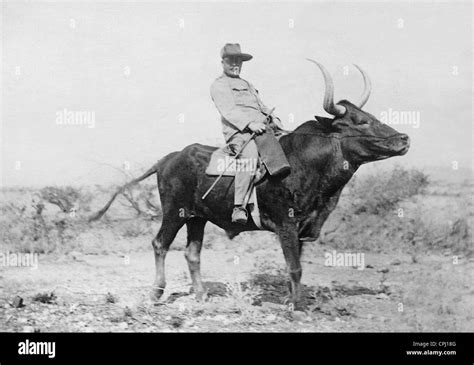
x=141 y=72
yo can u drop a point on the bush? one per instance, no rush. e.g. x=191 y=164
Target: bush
x=25 y=231
x=34 y=227
x=135 y=228
x=380 y=193
x=367 y=216
x=67 y=198
x=143 y=199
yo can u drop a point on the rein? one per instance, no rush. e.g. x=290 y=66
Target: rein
x=337 y=136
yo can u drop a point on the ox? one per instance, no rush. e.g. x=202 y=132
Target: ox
x=323 y=155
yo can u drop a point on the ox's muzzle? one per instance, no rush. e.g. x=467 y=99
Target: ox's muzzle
x=402 y=144
x=396 y=145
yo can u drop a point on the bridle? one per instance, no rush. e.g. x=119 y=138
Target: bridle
x=338 y=136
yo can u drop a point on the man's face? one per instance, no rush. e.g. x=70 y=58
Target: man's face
x=232 y=66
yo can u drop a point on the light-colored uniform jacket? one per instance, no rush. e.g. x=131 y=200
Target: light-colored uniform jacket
x=238 y=103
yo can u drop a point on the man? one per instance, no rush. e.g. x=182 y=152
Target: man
x=242 y=113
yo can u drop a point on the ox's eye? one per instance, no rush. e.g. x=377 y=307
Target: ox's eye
x=363 y=123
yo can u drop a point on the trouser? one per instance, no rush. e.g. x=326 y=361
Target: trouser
x=246 y=164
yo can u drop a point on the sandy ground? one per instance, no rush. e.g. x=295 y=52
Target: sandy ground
x=246 y=293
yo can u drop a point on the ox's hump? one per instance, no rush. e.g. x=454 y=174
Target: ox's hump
x=321 y=125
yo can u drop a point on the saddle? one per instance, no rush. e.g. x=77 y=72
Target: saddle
x=271 y=161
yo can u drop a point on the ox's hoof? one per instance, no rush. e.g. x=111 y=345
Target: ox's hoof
x=201 y=296
x=156 y=293
x=292 y=303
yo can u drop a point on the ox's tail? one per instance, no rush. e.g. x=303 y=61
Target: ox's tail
x=120 y=190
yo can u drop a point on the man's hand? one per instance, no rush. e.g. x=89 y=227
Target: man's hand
x=277 y=122
x=257 y=127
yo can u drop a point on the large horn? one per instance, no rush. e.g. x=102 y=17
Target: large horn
x=367 y=88
x=329 y=106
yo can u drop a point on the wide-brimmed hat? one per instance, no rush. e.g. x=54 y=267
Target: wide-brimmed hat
x=233 y=49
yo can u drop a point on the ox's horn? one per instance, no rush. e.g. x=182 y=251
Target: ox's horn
x=329 y=106
x=367 y=88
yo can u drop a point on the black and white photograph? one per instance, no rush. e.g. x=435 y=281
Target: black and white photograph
x=237 y=167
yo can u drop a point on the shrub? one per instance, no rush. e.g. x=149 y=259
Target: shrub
x=34 y=228
x=63 y=197
x=143 y=199
x=380 y=193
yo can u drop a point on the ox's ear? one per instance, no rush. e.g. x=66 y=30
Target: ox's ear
x=325 y=122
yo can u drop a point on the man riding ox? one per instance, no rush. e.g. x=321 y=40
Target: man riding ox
x=242 y=112
x=321 y=154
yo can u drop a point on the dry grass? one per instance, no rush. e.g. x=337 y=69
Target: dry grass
x=379 y=213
